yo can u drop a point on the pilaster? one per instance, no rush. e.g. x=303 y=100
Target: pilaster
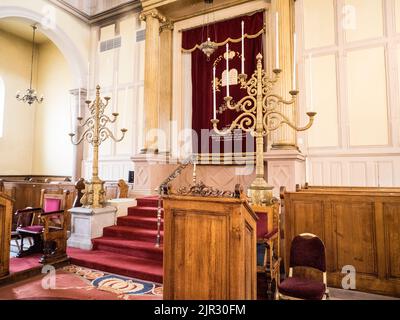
x=165 y=111
x=152 y=77
x=285 y=137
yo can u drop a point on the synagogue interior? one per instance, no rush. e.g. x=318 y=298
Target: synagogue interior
x=200 y=150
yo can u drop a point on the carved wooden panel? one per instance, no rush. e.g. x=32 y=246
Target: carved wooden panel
x=391 y=221
x=191 y=232
x=309 y=218
x=209 y=248
x=359 y=226
x=5 y=233
x=355 y=245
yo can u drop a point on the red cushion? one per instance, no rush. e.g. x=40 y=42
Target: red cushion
x=52 y=204
x=302 y=288
x=31 y=229
x=307 y=252
x=262 y=224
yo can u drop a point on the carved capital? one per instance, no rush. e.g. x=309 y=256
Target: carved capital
x=168 y=25
x=154 y=13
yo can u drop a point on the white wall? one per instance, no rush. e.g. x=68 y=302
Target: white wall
x=34 y=148
x=120 y=74
x=16 y=144
x=52 y=152
x=349 y=69
x=35 y=138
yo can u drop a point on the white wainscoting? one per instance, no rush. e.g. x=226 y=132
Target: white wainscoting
x=110 y=169
x=369 y=170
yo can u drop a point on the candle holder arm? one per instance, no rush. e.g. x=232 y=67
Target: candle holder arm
x=277 y=119
x=88 y=122
x=83 y=136
x=245 y=121
x=270 y=101
x=104 y=119
x=105 y=133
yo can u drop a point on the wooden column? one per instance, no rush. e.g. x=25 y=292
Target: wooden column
x=152 y=76
x=285 y=137
x=77 y=108
x=166 y=87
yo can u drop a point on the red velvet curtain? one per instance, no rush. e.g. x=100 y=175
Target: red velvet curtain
x=202 y=75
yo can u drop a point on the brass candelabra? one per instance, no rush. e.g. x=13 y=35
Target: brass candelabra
x=259 y=116
x=95 y=133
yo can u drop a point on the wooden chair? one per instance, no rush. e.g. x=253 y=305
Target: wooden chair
x=307 y=250
x=268 y=244
x=27 y=227
x=48 y=226
x=79 y=186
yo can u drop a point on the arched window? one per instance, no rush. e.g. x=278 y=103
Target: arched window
x=2 y=98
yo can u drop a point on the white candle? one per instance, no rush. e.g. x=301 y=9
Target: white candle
x=242 y=47
x=295 y=62
x=79 y=102
x=311 y=107
x=115 y=92
x=88 y=82
x=125 y=108
x=71 y=115
x=227 y=70
x=214 y=95
x=277 y=40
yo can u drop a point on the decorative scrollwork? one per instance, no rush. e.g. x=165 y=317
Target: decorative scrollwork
x=95 y=133
x=91 y=135
x=261 y=114
x=201 y=190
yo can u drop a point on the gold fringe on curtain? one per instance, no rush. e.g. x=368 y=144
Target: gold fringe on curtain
x=197 y=46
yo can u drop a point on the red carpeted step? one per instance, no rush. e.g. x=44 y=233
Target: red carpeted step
x=121 y=264
x=131 y=233
x=138 y=221
x=135 y=248
x=148 y=202
x=142 y=211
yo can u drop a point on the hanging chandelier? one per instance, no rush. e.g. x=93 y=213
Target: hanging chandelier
x=30 y=95
x=208 y=47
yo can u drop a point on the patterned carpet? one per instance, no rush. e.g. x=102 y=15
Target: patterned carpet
x=123 y=287
x=77 y=283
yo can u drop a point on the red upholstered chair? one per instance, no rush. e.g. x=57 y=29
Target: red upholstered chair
x=307 y=250
x=268 y=243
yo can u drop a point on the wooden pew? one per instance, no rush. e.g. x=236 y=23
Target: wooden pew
x=359 y=226
x=5 y=233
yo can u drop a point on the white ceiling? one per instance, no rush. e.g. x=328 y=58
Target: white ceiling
x=22 y=28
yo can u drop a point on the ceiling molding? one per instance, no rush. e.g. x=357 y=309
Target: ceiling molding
x=99 y=17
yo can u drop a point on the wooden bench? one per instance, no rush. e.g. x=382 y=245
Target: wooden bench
x=359 y=226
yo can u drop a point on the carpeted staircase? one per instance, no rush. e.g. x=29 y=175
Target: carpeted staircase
x=129 y=247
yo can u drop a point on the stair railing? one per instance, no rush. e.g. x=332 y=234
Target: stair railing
x=164 y=188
